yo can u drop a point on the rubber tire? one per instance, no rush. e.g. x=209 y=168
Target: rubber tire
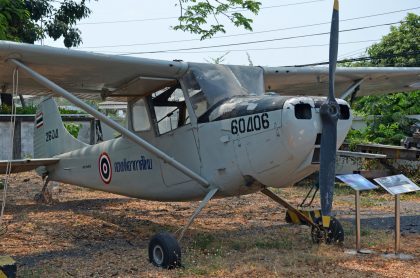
x=335 y=233
x=170 y=250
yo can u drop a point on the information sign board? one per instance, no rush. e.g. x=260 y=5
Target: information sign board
x=397 y=184
x=357 y=182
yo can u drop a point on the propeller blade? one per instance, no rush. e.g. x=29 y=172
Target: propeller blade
x=329 y=113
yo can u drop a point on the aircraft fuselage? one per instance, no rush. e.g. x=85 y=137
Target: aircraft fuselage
x=273 y=145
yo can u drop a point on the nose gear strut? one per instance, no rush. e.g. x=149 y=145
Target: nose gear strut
x=333 y=234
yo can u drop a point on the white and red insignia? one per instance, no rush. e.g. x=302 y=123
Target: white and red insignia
x=105 y=168
x=39 y=120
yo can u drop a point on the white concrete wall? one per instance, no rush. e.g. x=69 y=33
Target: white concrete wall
x=27 y=132
x=27 y=137
x=5 y=144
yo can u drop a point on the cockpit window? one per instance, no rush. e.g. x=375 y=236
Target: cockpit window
x=169 y=109
x=208 y=84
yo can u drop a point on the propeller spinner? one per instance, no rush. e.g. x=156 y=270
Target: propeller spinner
x=329 y=112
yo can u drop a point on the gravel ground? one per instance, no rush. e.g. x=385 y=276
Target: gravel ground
x=87 y=233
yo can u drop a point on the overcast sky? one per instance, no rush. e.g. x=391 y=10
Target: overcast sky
x=150 y=21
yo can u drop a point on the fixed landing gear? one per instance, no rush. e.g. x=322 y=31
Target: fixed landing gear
x=333 y=234
x=164 y=251
x=164 y=248
x=45 y=196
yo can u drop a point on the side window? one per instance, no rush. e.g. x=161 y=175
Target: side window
x=169 y=109
x=141 y=121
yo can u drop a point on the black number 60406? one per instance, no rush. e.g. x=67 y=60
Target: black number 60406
x=250 y=123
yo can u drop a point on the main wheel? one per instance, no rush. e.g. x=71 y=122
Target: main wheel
x=164 y=251
x=334 y=234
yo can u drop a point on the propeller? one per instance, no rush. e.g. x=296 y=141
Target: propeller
x=329 y=112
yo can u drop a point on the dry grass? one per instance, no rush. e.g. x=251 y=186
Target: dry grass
x=94 y=234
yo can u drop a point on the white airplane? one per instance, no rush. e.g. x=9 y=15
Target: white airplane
x=195 y=131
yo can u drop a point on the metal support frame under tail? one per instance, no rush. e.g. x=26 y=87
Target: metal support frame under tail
x=319 y=233
x=288 y=206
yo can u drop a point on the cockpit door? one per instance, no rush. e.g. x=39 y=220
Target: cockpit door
x=174 y=133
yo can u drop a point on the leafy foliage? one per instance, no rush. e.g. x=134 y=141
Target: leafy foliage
x=196 y=13
x=31 y=20
x=31 y=110
x=390 y=124
x=217 y=60
x=402 y=39
x=73 y=128
x=28 y=110
x=65 y=111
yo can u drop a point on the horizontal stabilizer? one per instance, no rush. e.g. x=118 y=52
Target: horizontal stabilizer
x=24 y=165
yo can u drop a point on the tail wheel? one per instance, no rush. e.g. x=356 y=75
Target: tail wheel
x=164 y=251
x=334 y=234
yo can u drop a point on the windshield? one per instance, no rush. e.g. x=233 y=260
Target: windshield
x=208 y=84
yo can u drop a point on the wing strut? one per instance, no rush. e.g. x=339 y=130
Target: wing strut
x=353 y=87
x=98 y=115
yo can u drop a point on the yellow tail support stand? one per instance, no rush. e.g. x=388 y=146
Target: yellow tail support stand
x=7 y=267
x=292 y=217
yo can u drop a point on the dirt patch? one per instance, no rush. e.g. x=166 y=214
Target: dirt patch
x=94 y=234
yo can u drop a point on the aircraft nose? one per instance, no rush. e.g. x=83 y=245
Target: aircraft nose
x=301 y=123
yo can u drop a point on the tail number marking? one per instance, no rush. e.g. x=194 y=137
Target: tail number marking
x=250 y=123
x=51 y=135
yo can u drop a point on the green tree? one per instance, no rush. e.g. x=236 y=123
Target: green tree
x=389 y=124
x=31 y=20
x=195 y=15
x=398 y=48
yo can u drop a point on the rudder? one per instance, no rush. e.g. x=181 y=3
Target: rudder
x=50 y=136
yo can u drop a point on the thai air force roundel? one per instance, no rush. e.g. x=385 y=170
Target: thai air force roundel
x=105 y=168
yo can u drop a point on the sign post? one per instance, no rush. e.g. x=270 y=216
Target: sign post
x=358 y=183
x=357 y=202
x=397 y=185
x=397 y=224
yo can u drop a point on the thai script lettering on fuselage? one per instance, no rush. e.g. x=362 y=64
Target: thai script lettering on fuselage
x=141 y=164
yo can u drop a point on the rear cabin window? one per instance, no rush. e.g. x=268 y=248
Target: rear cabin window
x=141 y=121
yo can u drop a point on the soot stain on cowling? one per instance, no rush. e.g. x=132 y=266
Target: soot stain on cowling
x=242 y=106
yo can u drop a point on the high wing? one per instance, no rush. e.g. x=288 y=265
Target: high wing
x=23 y=165
x=367 y=80
x=92 y=76
x=85 y=74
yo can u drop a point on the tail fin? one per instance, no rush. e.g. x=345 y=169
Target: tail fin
x=50 y=136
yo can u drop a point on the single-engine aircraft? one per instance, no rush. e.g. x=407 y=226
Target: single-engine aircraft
x=195 y=131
